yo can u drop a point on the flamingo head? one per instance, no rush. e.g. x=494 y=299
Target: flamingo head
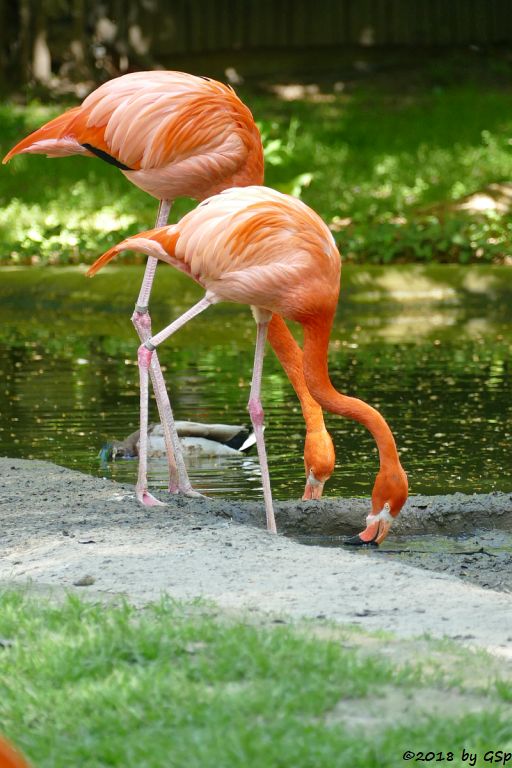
x=388 y=497
x=319 y=458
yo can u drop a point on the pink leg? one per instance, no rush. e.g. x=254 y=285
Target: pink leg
x=178 y=477
x=256 y=412
x=141 y=489
x=164 y=210
x=146 y=355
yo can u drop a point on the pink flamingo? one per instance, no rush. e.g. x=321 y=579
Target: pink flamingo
x=173 y=134
x=259 y=247
x=10 y=757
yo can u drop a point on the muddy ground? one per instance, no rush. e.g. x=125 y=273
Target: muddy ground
x=468 y=536
x=61 y=528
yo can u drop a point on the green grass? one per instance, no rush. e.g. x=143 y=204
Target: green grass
x=178 y=685
x=381 y=164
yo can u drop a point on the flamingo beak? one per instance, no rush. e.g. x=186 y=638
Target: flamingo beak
x=377 y=528
x=313 y=489
x=384 y=529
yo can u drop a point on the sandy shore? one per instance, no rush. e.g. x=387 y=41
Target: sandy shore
x=60 y=528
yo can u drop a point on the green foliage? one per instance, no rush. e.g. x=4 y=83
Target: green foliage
x=384 y=168
x=387 y=169
x=458 y=238
x=177 y=685
x=64 y=210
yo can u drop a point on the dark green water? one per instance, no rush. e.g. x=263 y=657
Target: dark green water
x=429 y=347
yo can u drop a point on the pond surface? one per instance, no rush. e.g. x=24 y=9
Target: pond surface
x=430 y=347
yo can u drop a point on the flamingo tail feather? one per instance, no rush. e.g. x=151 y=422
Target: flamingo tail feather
x=159 y=243
x=54 y=139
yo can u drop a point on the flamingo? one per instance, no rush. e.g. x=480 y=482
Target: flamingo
x=173 y=134
x=10 y=757
x=256 y=246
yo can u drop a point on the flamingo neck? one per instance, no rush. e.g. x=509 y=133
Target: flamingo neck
x=290 y=356
x=316 y=341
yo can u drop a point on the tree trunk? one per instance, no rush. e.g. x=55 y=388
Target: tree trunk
x=25 y=40
x=81 y=60
x=3 y=41
x=41 y=56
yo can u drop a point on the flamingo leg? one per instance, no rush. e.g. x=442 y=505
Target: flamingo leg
x=255 y=409
x=141 y=319
x=145 y=356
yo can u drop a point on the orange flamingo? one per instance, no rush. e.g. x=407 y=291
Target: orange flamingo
x=10 y=757
x=259 y=247
x=173 y=134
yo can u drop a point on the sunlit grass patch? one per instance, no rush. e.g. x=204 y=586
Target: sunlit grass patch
x=180 y=685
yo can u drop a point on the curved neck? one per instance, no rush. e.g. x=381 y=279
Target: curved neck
x=290 y=356
x=316 y=341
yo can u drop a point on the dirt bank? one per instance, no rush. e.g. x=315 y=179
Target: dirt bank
x=60 y=526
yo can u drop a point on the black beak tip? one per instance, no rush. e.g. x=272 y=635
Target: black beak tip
x=356 y=541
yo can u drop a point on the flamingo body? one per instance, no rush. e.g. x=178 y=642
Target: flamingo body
x=259 y=247
x=170 y=133
x=251 y=246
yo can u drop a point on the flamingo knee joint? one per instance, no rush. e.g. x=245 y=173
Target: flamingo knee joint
x=144 y=356
x=256 y=412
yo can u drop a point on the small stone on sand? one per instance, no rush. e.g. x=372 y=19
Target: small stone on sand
x=85 y=581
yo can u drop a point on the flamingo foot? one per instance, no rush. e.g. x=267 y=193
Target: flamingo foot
x=147 y=498
x=186 y=490
x=192 y=494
